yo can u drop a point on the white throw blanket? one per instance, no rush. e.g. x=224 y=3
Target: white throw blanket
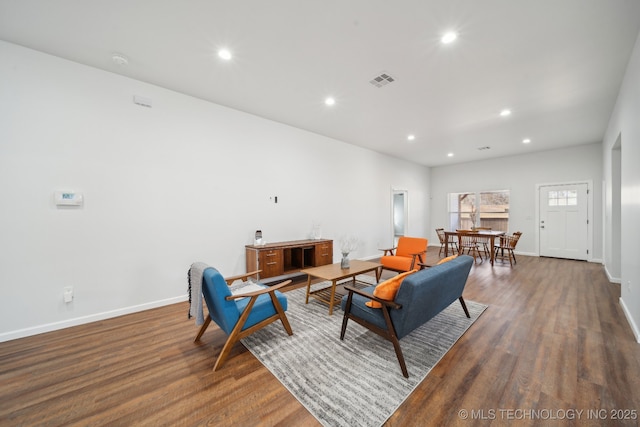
x=195 y=278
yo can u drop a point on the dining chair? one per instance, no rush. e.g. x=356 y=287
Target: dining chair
x=452 y=242
x=470 y=243
x=484 y=241
x=508 y=243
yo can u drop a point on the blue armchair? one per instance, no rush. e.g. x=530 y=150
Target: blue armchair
x=242 y=314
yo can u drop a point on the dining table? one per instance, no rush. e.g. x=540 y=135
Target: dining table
x=490 y=234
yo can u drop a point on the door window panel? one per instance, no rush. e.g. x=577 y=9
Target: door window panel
x=563 y=198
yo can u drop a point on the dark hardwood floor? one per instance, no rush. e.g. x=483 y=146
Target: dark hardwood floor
x=553 y=341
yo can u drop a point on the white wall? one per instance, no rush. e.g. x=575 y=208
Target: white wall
x=184 y=181
x=521 y=174
x=624 y=127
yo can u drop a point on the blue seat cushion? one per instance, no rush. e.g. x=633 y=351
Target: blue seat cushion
x=262 y=309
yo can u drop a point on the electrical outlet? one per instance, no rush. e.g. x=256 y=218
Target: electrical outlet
x=68 y=294
x=629 y=285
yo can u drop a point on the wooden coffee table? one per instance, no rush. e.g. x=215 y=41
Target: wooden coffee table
x=334 y=274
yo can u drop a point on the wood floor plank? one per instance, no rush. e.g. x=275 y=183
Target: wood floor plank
x=553 y=337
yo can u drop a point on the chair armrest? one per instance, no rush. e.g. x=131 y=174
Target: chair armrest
x=232 y=279
x=388 y=251
x=417 y=255
x=391 y=304
x=260 y=292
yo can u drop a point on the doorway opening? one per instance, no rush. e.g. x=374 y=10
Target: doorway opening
x=399 y=214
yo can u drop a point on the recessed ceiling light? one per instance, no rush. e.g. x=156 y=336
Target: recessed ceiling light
x=330 y=101
x=411 y=137
x=505 y=112
x=449 y=37
x=224 y=54
x=450 y=155
x=526 y=141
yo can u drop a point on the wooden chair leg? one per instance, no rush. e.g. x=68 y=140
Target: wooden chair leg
x=464 y=307
x=237 y=333
x=345 y=318
x=389 y=333
x=234 y=336
x=476 y=252
x=485 y=247
x=394 y=339
x=281 y=314
x=203 y=328
x=510 y=253
x=226 y=350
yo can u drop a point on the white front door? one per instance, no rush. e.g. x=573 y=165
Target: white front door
x=564 y=221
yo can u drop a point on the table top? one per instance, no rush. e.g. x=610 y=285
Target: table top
x=291 y=243
x=477 y=232
x=334 y=272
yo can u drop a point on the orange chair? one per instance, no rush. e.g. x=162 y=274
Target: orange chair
x=409 y=252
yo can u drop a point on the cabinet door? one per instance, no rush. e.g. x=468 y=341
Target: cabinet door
x=324 y=253
x=271 y=263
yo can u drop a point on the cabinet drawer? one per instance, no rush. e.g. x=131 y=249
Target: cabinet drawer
x=270 y=262
x=324 y=254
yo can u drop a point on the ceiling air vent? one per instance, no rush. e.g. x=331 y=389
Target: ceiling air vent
x=382 y=80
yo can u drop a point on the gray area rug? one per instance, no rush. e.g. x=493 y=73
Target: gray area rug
x=358 y=381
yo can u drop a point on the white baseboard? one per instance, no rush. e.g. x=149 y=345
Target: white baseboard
x=610 y=277
x=525 y=253
x=632 y=323
x=40 y=329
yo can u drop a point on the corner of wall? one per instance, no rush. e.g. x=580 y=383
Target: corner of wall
x=632 y=323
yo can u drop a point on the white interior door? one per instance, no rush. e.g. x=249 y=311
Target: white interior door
x=564 y=221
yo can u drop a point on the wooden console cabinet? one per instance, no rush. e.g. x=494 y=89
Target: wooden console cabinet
x=277 y=259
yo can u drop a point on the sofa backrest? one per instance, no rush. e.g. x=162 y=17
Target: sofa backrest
x=427 y=292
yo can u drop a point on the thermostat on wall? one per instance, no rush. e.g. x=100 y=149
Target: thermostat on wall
x=68 y=198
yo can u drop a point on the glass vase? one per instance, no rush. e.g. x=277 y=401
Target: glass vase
x=344 y=264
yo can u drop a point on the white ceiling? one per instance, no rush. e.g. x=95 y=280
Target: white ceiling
x=557 y=64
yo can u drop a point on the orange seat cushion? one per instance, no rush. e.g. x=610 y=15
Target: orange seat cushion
x=397 y=262
x=388 y=289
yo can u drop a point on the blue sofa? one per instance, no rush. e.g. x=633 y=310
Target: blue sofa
x=421 y=296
